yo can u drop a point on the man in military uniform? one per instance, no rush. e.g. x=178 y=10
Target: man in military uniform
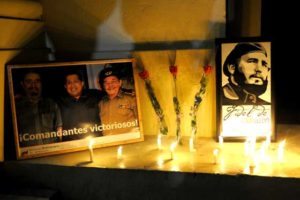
x=247 y=70
x=118 y=110
x=79 y=108
x=36 y=115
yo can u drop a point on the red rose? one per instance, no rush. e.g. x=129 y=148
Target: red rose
x=173 y=70
x=207 y=69
x=144 y=74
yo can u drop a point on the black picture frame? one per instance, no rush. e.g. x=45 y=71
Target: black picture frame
x=44 y=123
x=245 y=96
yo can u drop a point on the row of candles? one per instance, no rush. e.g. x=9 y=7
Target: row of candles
x=249 y=149
x=91 y=150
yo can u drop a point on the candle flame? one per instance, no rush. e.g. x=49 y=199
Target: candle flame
x=191 y=142
x=221 y=140
x=268 y=141
x=160 y=162
x=281 y=151
x=119 y=152
x=216 y=153
x=159 y=146
x=250 y=145
x=91 y=143
x=173 y=146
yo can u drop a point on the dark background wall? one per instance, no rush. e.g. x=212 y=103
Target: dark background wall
x=279 y=22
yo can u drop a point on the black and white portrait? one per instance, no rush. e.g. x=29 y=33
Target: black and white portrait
x=246 y=73
x=245 y=103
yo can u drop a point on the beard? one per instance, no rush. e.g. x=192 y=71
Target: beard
x=256 y=89
x=251 y=88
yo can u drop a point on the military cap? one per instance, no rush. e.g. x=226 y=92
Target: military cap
x=108 y=71
x=239 y=50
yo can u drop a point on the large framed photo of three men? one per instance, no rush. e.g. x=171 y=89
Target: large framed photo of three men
x=245 y=97
x=64 y=107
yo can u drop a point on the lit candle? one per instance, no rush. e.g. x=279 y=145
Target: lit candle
x=119 y=152
x=160 y=162
x=247 y=169
x=175 y=168
x=216 y=154
x=253 y=144
x=247 y=146
x=221 y=141
x=250 y=145
x=268 y=140
x=91 y=143
x=159 y=146
x=172 y=148
x=262 y=150
x=222 y=165
x=280 y=154
x=191 y=142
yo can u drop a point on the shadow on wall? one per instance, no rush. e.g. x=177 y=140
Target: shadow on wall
x=115 y=25
x=73 y=25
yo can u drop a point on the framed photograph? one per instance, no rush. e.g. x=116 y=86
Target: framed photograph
x=245 y=102
x=61 y=107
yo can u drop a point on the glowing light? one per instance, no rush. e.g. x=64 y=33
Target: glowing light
x=268 y=141
x=222 y=165
x=250 y=145
x=247 y=146
x=221 y=141
x=120 y=152
x=262 y=151
x=191 y=143
x=172 y=148
x=159 y=145
x=91 y=143
x=216 y=155
x=175 y=168
x=280 y=153
x=160 y=162
x=246 y=169
x=122 y=165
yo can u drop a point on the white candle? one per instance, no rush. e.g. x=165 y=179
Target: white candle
x=216 y=155
x=262 y=151
x=160 y=162
x=253 y=144
x=250 y=145
x=159 y=146
x=268 y=141
x=247 y=146
x=91 y=143
x=172 y=148
x=191 y=143
x=221 y=141
x=119 y=152
x=280 y=154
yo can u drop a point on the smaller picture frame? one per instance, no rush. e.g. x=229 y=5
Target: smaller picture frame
x=67 y=106
x=245 y=97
